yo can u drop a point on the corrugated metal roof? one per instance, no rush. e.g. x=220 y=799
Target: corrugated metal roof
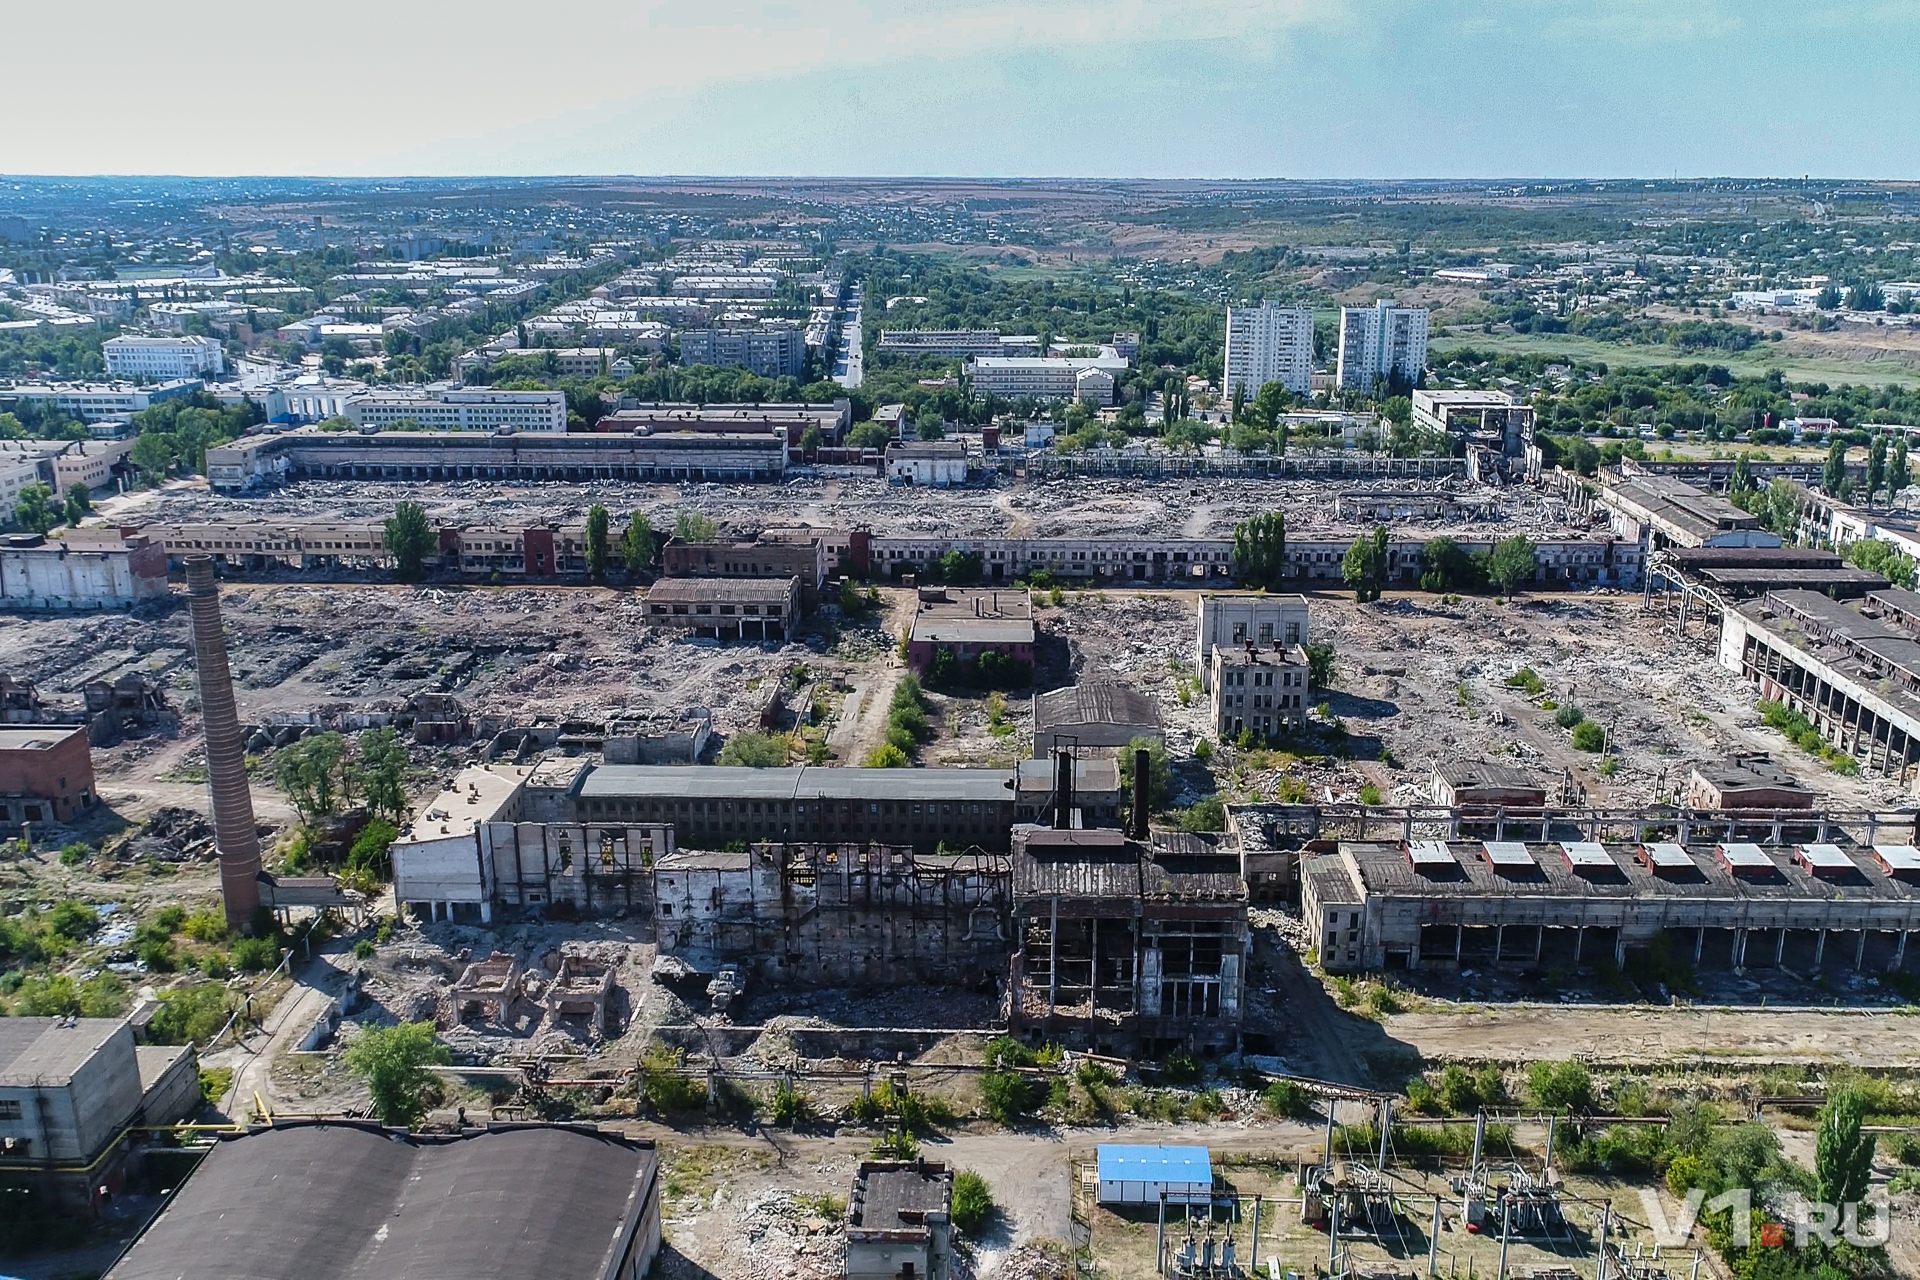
x=800 y=782
x=1187 y=1166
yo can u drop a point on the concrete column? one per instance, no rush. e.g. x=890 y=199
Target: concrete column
x=1579 y=943
x=1819 y=947
x=1699 y=944
x=1499 y=941
x=235 y=841
x=1860 y=952
x=1899 y=953
x=1459 y=942
x=1620 y=947
x=1539 y=942
x=1780 y=949
x=1739 y=949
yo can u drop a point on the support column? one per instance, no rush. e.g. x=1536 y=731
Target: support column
x=1860 y=951
x=1739 y=949
x=1459 y=943
x=1579 y=943
x=1053 y=958
x=1780 y=949
x=1499 y=940
x=1819 y=948
x=1699 y=944
x=1899 y=953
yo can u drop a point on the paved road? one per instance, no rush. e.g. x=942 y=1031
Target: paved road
x=849 y=366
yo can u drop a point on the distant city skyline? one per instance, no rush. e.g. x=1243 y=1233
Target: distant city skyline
x=1040 y=88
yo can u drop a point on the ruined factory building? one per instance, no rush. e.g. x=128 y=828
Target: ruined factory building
x=1745 y=785
x=69 y=1090
x=899 y=1221
x=1127 y=943
x=46 y=774
x=1483 y=787
x=1098 y=714
x=726 y=608
x=970 y=623
x=1236 y=619
x=317 y=1200
x=1428 y=903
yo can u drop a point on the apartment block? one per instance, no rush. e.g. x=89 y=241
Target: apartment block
x=1379 y=342
x=1269 y=343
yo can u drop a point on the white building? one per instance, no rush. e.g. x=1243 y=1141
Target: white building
x=1262 y=691
x=1269 y=343
x=934 y=464
x=96 y=401
x=1381 y=341
x=448 y=410
x=186 y=356
x=1038 y=377
x=1233 y=621
x=1093 y=387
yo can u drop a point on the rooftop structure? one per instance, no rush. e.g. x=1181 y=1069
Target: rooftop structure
x=1038 y=377
x=726 y=608
x=1660 y=511
x=1101 y=713
x=1237 y=619
x=1745 y=784
x=899 y=1221
x=1376 y=905
x=969 y=623
x=346 y=1201
x=1490 y=418
x=1478 y=785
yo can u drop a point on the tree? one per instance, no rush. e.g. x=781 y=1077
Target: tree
x=961 y=568
x=1834 y=478
x=79 y=502
x=811 y=439
x=1364 y=568
x=1898 y=474
x=394 y=1061
x=1742 y=474
x=869 y=435
x=597 y=542
x=1159 y=772
x=1828 y=299
x=1864 y=295
x=972 y=1203
x=754 y=751
x=636 y=545
x=691 y=526
x=1513 y=562
x=1876 y=467
x=1260 y=552
x=409 y=539
x=33 y=510
x=1445 y=566
x=1320 y=665
x=309 y=772
x=1843 y=1155
x=383 y=772
x=1239 y=401
x=930 y=426
x=1783 y=509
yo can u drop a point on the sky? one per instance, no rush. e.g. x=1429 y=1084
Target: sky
x=986 y=88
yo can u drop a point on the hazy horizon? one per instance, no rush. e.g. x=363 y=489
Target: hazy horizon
x=1234 y=89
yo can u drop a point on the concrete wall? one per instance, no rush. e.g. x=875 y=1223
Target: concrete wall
x=1233 y=620
x=53 y=577
x=72 y=1122
x=445 y=869
x=586 y=868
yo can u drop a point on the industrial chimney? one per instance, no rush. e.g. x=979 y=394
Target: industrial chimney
x=1062 y=788
x=234 y=837
x=1142 y=793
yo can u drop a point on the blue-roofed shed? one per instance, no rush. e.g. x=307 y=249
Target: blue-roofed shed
x=1138 y=1174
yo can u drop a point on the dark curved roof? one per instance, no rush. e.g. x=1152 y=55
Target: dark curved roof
x=316 y=1201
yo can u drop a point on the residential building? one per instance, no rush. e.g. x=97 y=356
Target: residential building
x=1381 y=342
x=186 y=356
x=1269 y=343
x=340 y=1199
x=1038 y=377
x=580 y=362
x=1237 y=619
x=46 y=774
x=96 y=401
x=450 y=410
x=899 y=1221
x=969 y=623
x=934 y=464
x=752 y=609
x=1262 y=691
x=771 y=349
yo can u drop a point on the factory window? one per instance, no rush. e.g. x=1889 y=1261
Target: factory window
x=9 y=1109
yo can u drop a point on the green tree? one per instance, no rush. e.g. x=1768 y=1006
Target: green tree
x=754 y=751
x=1876 y=467
x=1260 y=551
x=1898 y=475
x=691 y=526
x=309 y=772
x=1445 y=566
x=383 y=772
x=1159 y=772
x=1843 y=1155
x=636 y=545
x=972 y=1203
x=33 y=510
x=869 y=435
x=394 y=1061
x=1560 y=1086
x=1513 y=562
x=597 y=542
x=409 y=539
x=811 y=440
x=1364 y=567
x=1742 y=474
x=1783 y=509
x=961 y=568
x=1320 y=665
x=79 y=502
x=1834 y=477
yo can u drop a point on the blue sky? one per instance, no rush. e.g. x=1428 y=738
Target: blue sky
x=1200 y=88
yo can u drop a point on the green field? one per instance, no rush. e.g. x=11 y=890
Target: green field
x=1753 y=363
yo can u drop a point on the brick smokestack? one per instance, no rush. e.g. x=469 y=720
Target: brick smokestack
x=234 y=837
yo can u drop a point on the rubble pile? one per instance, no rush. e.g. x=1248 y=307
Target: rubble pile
x=773 y=1236
x=172 y=834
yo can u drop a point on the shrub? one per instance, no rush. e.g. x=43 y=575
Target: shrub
x=1526 y=678
x=972 y=1203
x=1557 y=1086
x=755 y=750
x=1209 y=814
x=216 y=966
x=363 y=949
x=1369 y=794
x=72 y=855
x=191 y=1015
x=1203 y=750
x=394 y=1061
x=663 y=1085
x=256 y=955
x=1588 y=736
x=1181 y=1067
x=899 y=1145
x=791 y=1107
x=1094 y=1075
x=887 y=756
x=214 y=1083
x=1288 y=1098
x=1568 y=714
x=1009 y=1096
x=72 y=920
x=206 y=925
